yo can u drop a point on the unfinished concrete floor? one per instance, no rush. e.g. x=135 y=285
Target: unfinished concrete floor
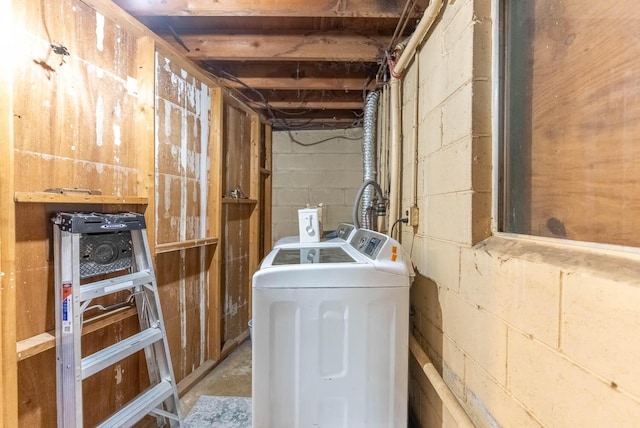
x=232 y=378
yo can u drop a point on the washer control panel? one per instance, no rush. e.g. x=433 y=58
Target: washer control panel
x=344 y=231
x=368 y=242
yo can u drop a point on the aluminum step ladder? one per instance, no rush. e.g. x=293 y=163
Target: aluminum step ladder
x=87 y=245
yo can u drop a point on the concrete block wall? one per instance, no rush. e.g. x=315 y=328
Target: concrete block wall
x=526 y=332
x=326 y=167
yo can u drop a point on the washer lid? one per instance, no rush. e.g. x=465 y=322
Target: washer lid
x=339 y=266
x=296 y=256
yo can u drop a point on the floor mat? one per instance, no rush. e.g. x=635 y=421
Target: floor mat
x=220 y=412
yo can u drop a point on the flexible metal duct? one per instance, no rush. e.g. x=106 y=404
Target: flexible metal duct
x=369 y=154
x=380 y=208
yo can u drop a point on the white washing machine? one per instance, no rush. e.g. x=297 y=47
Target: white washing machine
x=330 y=335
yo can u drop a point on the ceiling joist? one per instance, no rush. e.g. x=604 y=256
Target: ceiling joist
x=301 y=76
x=314 y=118
x=312 y=105
x=316 y=46
x=319 y=114
x=310 y=62
x=311 y=100
x=281 y=8
x=305 y=83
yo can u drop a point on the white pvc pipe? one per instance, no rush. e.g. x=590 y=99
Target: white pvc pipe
x=383 y=154
x=429 y=16
x=448 y=399
x=417 y=37
x=394 y=154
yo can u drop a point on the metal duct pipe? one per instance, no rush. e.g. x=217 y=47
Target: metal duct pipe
x=369 y=153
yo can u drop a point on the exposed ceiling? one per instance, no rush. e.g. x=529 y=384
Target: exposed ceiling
x=303 y=63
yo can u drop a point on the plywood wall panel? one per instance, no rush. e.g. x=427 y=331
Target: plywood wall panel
x=194 y=215
x=35 y=295
x=182 y=213
x=168 y=137
x=83 y=31
x=183 y=282
x=182 y=106
x=194 y=145
x=177 y=85
x=239 y=243
x=83 y=110
x=46 y=172
x=586 y=121
x=37 y=390
x=236 y=275
x=237 y=129
x=168 y=275
x=195 y=292
x=71 y=111
x=32 y=241
x=168 y=213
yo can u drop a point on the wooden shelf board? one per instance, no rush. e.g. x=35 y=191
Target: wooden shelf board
x=41 y=342
x=183 y=245
x=195 y=376
x=239 y=201
x=80 y=198
x=35 y=345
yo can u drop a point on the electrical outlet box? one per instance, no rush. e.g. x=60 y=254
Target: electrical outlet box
x=414 y=214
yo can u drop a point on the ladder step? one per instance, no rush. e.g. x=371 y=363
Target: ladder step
x=142 y=405
x=102 y=359
x=109 y=286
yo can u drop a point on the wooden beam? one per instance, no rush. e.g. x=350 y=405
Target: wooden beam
x=267 y=195
x=315 y=46
x=293 y=69
x=214 y=208
x=305 y=83
x=291 y=99
x=78 y=198
x=293 y=75
x=313 y=105
x=8 y=358
x=320 y=115
x=144 y=130
x=315 y=125
x=341 y=119
x=334 y=118
x=254 y=192
x=283 y=8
